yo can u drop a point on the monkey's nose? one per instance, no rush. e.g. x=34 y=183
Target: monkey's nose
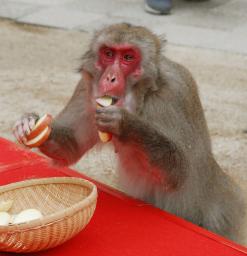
x=111 y=78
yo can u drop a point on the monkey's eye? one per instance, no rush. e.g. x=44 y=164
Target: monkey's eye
x=109 y=53
x=128 y=57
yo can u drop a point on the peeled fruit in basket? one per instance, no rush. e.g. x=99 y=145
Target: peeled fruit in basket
x=5 y=205
x=4 y=218
x=27 y=215
x=40 y=132
x=104 y=101
x=23 y=216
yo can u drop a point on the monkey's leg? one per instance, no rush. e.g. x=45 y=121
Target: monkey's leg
x=224 y=209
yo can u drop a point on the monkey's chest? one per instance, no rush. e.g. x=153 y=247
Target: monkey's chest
x=135 y=167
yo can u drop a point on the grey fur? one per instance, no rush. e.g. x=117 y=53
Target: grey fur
x=164 y=149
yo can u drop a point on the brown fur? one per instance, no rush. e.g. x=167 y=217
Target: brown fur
x=162 y=141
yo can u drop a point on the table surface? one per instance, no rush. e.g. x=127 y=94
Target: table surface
x=120 y=225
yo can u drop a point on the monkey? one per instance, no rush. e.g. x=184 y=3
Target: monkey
x=158 y=129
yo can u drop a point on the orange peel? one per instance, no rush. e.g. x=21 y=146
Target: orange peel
x=40 y=132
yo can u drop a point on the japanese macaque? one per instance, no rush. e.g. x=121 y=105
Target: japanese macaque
x=157 y=124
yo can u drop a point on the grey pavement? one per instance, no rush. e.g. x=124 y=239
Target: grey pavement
x=213 y=24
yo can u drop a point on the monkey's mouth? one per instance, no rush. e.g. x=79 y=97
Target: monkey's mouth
x=115 y=100
x=118 y=101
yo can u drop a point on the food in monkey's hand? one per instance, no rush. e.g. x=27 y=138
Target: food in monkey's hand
x=104 y=101
x=40 y=132
x=6 y=205
x=27 y=215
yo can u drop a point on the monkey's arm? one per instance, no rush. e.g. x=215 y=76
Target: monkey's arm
x=73 y=132
x=161 y=150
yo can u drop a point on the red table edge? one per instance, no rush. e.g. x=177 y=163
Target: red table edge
x=168 y=216
x=116 y=193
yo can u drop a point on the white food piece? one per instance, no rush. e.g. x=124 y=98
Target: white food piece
x=104 y=101
x=27 y=215
x=6 y=205
x=12 y=218
x=4 y=219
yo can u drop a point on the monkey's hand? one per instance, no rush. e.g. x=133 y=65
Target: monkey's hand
x=31 y=130
x=110 y=119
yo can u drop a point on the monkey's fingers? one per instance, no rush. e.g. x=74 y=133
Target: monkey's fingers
x=103 y=125
x=32 y=134
x=20 y=133
x=106 y=117
x=17 y=136
x=28 y=125
x=23 y=127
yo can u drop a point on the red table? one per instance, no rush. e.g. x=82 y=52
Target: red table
x=120 y=225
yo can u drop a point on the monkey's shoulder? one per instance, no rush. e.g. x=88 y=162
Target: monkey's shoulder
x=176 y=80
x=177 y=96
x=176 y=75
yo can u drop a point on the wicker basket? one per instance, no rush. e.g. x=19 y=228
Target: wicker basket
x=67 y=205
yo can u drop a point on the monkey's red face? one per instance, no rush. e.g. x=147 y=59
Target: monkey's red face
x=117 y=63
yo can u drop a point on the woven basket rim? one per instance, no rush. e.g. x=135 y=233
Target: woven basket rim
x=57 y=216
